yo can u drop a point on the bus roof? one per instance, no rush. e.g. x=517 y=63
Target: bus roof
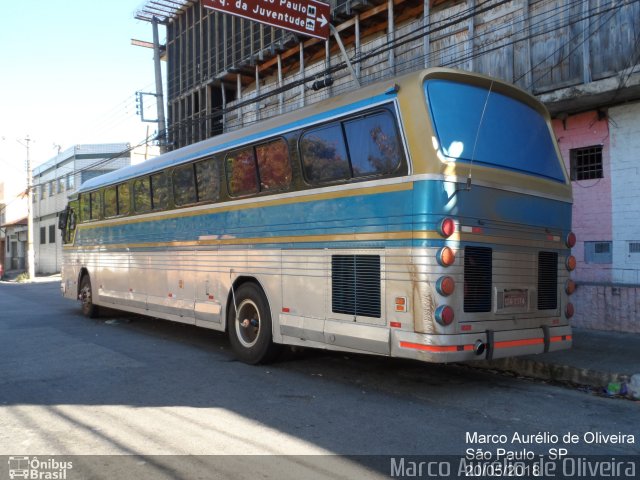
x=279 y=124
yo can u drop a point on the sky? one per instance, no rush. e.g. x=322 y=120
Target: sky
x=68 y=75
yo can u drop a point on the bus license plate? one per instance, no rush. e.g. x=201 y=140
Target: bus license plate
x=515 y=298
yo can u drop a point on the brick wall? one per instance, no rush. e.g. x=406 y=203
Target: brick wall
x=625 y=180
x=607 y=307
x=591 y=198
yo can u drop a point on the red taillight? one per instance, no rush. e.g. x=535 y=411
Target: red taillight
x=571 y=263
x=445 y=286
x=447 y=227
x=445 y=256
x=569 y=310
x=570 y=287
x=444 y=315
x=570 y=240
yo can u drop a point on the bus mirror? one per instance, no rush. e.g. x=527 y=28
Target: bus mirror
x=72 y=220
x=62 y=219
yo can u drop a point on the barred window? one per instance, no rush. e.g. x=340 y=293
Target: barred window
x=586 y=163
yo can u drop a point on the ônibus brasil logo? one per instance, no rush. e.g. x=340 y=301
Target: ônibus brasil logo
x=36 y=469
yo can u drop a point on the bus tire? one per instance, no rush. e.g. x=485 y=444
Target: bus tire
x=250 y=332
x=89 y=309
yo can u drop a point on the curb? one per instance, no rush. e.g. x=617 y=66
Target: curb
x=553 y=371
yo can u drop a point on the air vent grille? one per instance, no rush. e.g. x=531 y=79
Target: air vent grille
x=478 y=270
x=355 y=285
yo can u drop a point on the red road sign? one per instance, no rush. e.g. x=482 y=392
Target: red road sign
x=308 y=17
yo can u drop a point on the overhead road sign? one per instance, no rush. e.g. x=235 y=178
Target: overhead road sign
x=306 y=17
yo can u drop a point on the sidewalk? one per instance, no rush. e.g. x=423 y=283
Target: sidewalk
x=10 y=276
x=597 y=359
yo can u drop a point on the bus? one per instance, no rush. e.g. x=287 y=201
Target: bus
x=426 y=217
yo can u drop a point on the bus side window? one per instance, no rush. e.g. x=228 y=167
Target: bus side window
x=242 y=174
x=208 y=180
x=159 y=191
x=142 y=195
x=85 y=207
x=324 y=155
x=184 y=186
x=110 y=202
x=123 y=199
x=374 y=146
x=96 y=205
x=274 y=165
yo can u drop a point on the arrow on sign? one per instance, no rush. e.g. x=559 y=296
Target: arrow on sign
x=323 y=20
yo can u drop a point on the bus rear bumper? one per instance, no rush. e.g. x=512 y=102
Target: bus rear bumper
x=488 y=345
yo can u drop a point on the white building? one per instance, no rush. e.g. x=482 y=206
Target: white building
x=13 y=227
x=54 y=181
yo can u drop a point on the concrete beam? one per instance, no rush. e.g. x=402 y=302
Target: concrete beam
x=601 y=93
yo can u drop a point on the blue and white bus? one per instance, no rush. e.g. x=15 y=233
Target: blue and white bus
x=426 y=217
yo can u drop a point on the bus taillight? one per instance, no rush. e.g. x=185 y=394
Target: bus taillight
x=446 y=257
x=445 y=286
x=447 y=227
x=570 y=287
x=571 y=263
x=569 y=310
x=571 y=239
x=444 y=315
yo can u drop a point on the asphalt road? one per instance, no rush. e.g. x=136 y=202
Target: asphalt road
x=139 y=386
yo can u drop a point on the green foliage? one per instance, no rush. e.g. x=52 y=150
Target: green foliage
x=23 y=277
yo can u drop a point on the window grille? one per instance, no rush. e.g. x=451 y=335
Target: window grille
x=586 y=163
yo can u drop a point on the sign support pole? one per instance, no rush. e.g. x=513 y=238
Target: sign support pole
x=336 y=34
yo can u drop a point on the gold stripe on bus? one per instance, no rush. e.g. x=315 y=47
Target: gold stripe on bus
x=396 y=187
x=345 y=237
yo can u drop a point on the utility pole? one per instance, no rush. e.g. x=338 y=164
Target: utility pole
x=30 y=253
x=162 y=125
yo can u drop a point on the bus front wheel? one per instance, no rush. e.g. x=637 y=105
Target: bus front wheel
x=249 y=324
x=86 y=298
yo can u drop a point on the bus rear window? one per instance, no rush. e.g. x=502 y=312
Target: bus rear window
x=512 y=135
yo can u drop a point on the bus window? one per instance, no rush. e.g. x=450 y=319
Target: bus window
x=207 y=180
x=110 y=202
x=274 y=165
x=374 y=147
x=123 y=199
x=142 y=195
x=159 y=191
x=324 y=155
x=242 y=175
x=184 y=185
x=85 y=207
x=96 y=205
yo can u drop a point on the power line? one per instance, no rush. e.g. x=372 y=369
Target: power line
x=534 y=21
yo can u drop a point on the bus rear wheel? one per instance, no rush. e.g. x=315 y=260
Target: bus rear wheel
x=86 y=298
x=249 y=329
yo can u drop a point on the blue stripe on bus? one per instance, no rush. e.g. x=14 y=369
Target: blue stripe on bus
x=420 y=209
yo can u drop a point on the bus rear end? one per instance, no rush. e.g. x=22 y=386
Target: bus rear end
x=491 y=257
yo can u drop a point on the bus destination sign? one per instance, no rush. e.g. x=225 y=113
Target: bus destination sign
x=307 y=17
